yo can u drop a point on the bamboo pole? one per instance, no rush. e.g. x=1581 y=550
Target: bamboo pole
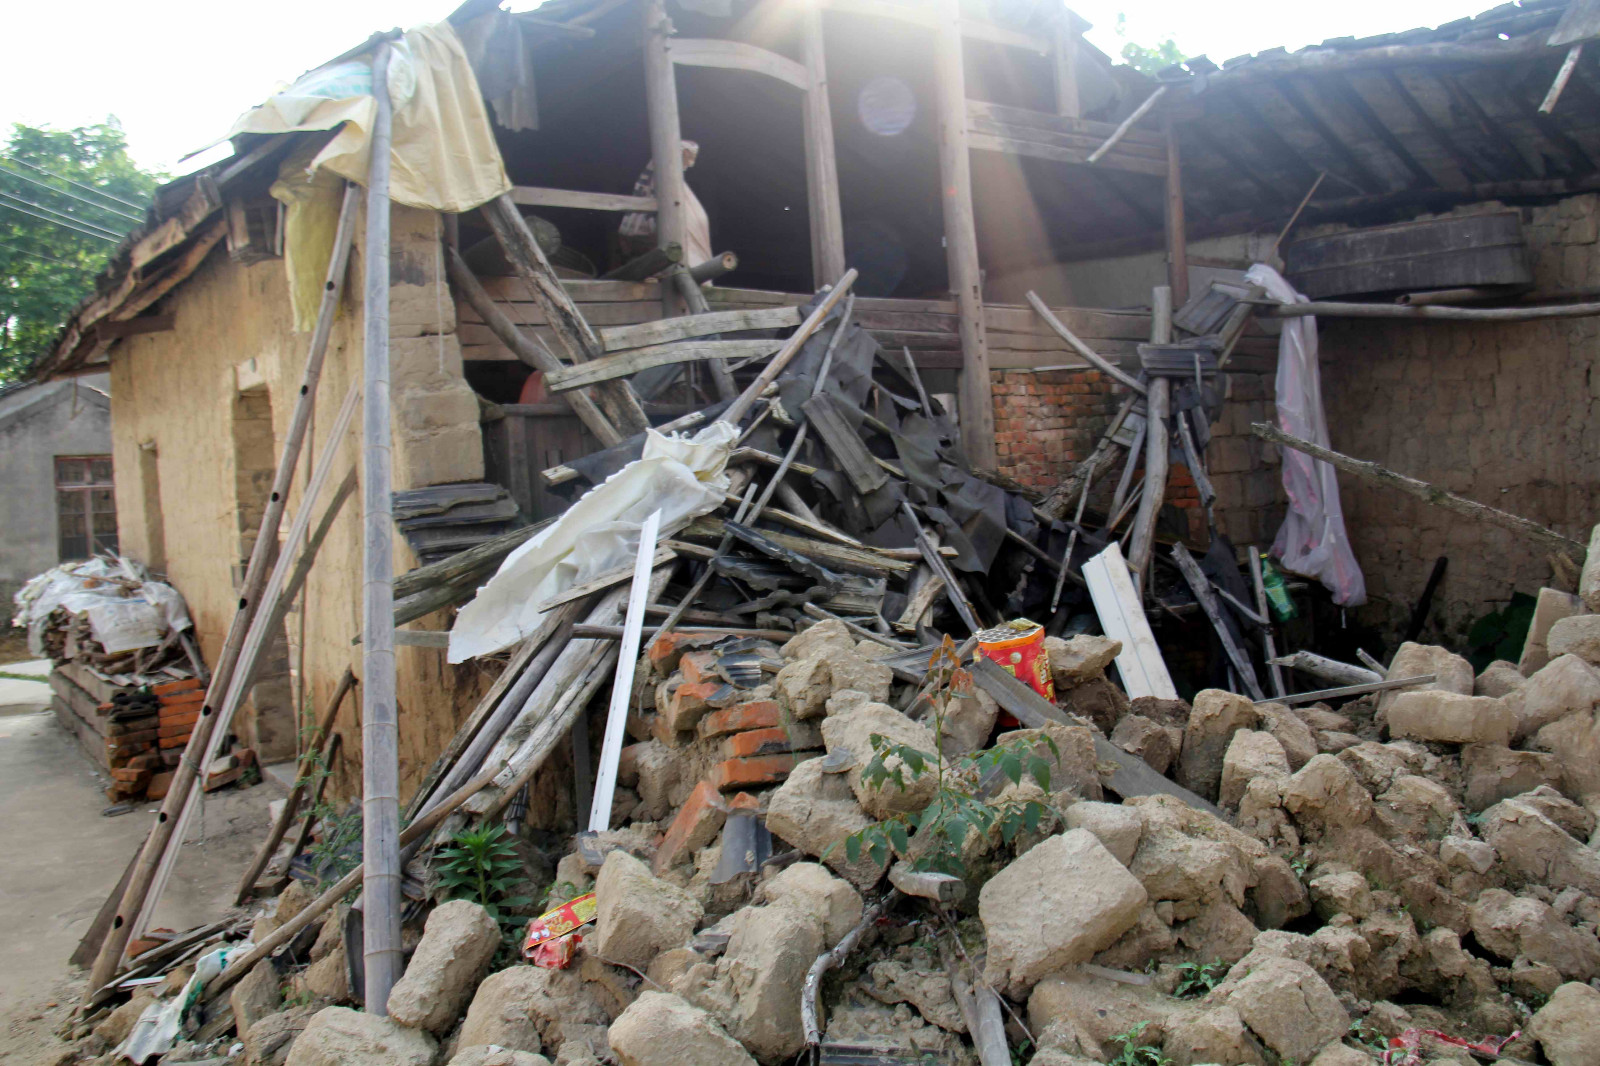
x=1449 y=501
x=1127 y=124
x=256 y=572
x=380 y=756
x=1098 y=361
x=329 y=752
x=822 y=172
x=291 y=805
x=1337 y=309
x=1156 y=445
x=526 y=349
x=791 y=347
x=1177 y=231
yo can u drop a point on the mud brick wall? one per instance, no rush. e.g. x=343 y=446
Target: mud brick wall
x=1046 y=423
x=1505 y=414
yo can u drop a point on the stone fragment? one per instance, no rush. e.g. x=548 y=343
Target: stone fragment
x=857 y=674
x=1537 y=850
x=660 y=1029
x=1566 y=685
x=488 y=1055
x=1578 y=635
x=769 y=952
x=329 y=977
x=968 y=724
x=1279 y=895
x=1344 y=892
x=802 y=687
x=1493 y=772
x=822 y=640
x=269 y=1039
x=255 y=996
x=1217 y=1035
x=1096 y=700
x=1075 y=661
x=1589 y=579
x=854 y=731
x=815 y=812
x=339 y=1036
x=1498 y=680
x=1324 y=793
x=1074 y=768
x=1060 y=902
x=1575 y=820
x=1090 y=1012
x=1452 y=672
x=1115 y=826
x=116 y=1026
x=1568 y=1026
x=1216 y=717
x=638 y=916
x=1513 y=926
x=929 y=991
x=1342 y=1055
x=1417 y=807
x=1151 y=741
x=1291 y=1008
x=1464 y=853
x=457 y=943
x=1450 y=718
x=1549 y=608
x=660 y=771
x=296 y=897
x=502 y=1010
x=809 y=887
x=1299 y=740
x=1251 y=754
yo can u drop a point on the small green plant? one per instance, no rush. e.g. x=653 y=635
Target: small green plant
x=961 y=800
x=1195 y=979
x=1135 y=1052
x=338 y=850
x=482 y=865
x=1300 y=864
x=293 y=998
x=1368 y=1038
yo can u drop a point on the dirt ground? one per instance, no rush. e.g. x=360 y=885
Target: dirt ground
x=13 y=644
x=62 y=858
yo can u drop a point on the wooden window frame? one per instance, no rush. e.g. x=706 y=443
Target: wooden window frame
x=91 y=541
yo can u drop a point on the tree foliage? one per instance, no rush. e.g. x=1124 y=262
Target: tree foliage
x=1146 y=59
x=89 y=193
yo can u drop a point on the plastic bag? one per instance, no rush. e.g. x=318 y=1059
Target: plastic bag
x=1312 y=539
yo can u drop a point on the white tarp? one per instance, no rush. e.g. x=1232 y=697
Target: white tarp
x=682 y=478
x=1312 y=539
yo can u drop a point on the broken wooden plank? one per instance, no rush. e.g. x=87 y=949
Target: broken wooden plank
x=665 y=330
x=627 y=363
x=604 y=581
x=935 y=561
x=1143 y=670
x=1201 y=587
x=533 y=196
x=1352 y=690
x=1328 y=669
x=863 y=560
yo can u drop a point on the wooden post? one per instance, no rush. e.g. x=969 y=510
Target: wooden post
x=380 y=766
x=666 y=134
x=1177 y=242
x=262 y=557
x=1064 y=54
x=1157 y=401
x=976 y=400
x=822 y=172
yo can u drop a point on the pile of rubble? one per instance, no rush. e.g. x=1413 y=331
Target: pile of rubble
x=1404 y=871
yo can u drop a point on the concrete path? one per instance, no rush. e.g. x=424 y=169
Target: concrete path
x=25 y=697
x=62 y=858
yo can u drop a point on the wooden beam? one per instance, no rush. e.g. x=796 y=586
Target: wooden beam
x=1011 y=145
x=1329 y=60
x=1338 y=309
x=1341 y=88
x=1177 y=231
x=1471 y=169
x=822 y=170
x=533 y=196
x=1366 y=180
x=666 y=134
x=626 y=363
x=737 y=55
x=1127 y=124
x=664 y=330
x=1374 y=474
x=1157 y=450
x=976 y=403
x=1064 y=59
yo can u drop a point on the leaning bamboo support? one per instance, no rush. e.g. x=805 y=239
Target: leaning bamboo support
x=791 y=347
x=256 y=572
x=525 y=348
x=1373 y=473
x=572 y=331
x=1157 y=445
x=1127 y=124
x=1094 y=358
x=291 y=805
x=380 y=726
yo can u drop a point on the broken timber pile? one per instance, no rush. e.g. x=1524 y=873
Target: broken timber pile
x=832 y=832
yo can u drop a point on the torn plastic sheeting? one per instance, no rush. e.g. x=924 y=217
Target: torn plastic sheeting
x=1312 y=539
x=163 y=1021
x=684 y=478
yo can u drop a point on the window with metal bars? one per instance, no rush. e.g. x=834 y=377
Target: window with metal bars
x=86 y=506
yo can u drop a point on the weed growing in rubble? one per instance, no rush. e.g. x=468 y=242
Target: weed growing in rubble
x=1195 y=979
x=1369 y=1039
x=963 y=799
x=482 y=865
x=338 y=847
x=1135 y=1052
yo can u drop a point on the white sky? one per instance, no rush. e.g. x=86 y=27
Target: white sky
x=177 y=72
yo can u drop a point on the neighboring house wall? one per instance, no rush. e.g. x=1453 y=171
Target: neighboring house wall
x=37 y=424
x=190 y=403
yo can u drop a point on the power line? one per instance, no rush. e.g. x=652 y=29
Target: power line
x=79 y=184
x=36 y=255
x=53 y=222
x=62 y=215
x=71 y=195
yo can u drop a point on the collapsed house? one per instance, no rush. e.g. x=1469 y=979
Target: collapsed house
x=847 y=464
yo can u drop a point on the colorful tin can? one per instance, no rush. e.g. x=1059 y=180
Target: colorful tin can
x=1018 y=646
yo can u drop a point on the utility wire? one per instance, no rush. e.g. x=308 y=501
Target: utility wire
x=79 y=184
x=63 y=225
x=36 y=255
x=62 y=215
x=71 y=195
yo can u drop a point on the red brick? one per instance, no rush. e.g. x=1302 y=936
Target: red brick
x=169 y=687
x=174 y=729
x=756 y=714
x=132 y=775
x=699 y=666
x=192 y=695
x=744 y=802
x=174 y=742
x=696 y=825
x=628 y=765
x=757 y=742
x=157 y=788
x=666 y=650
x=187 y=718
x=688 y=704
x=753 y=772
